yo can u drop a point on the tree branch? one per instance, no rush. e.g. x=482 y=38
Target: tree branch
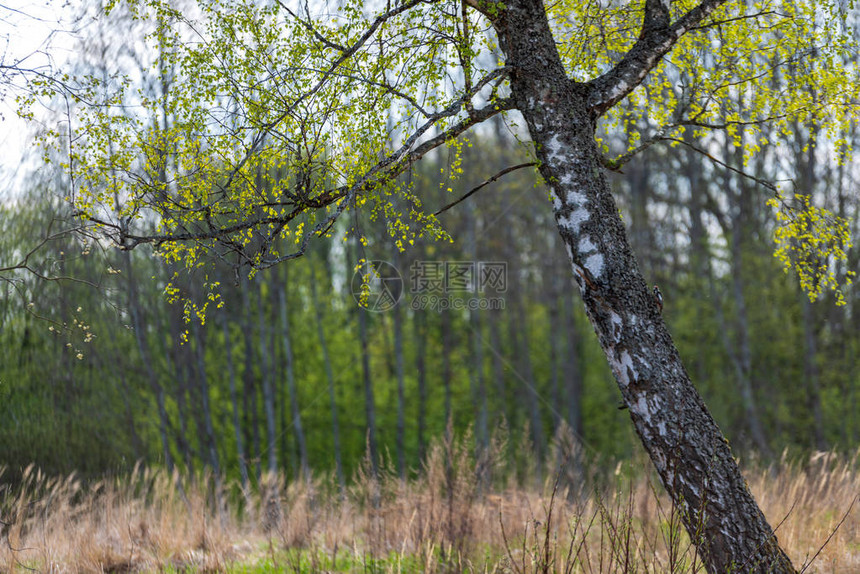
x=24 y=263
x=378 y=175
x=656 y=39
x=310 y=28
x=768 y=184
x=345 y=54
x=476 y=117
x=617 y=163
x=505 y=171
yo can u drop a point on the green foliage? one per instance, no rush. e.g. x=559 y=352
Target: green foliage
x=268 y=124
x=258 y=133
x=812 y=241
x=750 y=66
x=753 y=71
x=268 y=128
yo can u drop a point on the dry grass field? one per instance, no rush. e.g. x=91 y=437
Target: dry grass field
x=442 y=522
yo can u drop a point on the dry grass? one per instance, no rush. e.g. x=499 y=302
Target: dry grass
x=446 y=521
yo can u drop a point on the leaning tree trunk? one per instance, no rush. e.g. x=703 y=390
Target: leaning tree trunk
x=691 y=455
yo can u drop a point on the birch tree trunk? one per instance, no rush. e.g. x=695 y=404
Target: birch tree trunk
x=249 y=391
x=292 y=389
x=329 y=374
x=268 y=390
x=369 y=397
x=527 y=391
x=136 y=314
x=401 y=385
x=234 y=402
x=420 y=336
x=738 y=218
x=476 y=376
x=173 y=353
x=573 y=372
x=806 y=167
x=207 y=432
x=690 y=454
x=446 y=334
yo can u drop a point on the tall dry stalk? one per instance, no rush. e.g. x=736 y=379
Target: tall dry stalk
x=446 y=520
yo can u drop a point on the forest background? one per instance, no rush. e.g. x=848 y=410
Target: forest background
x=99 y=368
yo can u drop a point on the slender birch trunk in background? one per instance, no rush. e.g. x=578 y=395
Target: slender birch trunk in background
x=234 y=403
x=292 y=389
x=329 y=374
x=136 y=314
x=250 y=408
x=266 y=374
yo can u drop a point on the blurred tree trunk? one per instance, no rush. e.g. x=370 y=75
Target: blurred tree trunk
x=292 y=389
x=419 y=327
x=446 y=334
x=250 y=409
x=137 y=444
x=529 y=387
x=234 y=402
x=369 y=397
x=638 y=175
x=401 y=385
x=573 y=370
x=810 y=370
x=806 y=166
x=476 y=375
x=844 y=335
x=502 y=404
x=177 y=368
x=335 y=426
x=740 y=211
x=518 y=332
x=551 y=296
x=205 y=408
x=700 y=258
x=136 y=315
x=269 y=406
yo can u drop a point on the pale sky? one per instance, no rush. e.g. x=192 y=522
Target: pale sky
x=35 y=36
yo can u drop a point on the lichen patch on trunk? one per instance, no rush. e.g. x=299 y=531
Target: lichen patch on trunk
x=574 y=220
x=594 y=264
x=624 y=370
x=586 y=245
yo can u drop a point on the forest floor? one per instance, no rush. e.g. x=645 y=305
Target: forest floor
x=444 y=521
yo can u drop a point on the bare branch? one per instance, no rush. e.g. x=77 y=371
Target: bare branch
x=832 y=534
x=768 y=184
x=24 y=263
x=504 y=172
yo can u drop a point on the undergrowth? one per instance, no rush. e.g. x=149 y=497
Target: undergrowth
x=460 y=515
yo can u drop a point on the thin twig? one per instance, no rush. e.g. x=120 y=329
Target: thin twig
x=505 y=171
x=768 y=184
x=832 y=534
